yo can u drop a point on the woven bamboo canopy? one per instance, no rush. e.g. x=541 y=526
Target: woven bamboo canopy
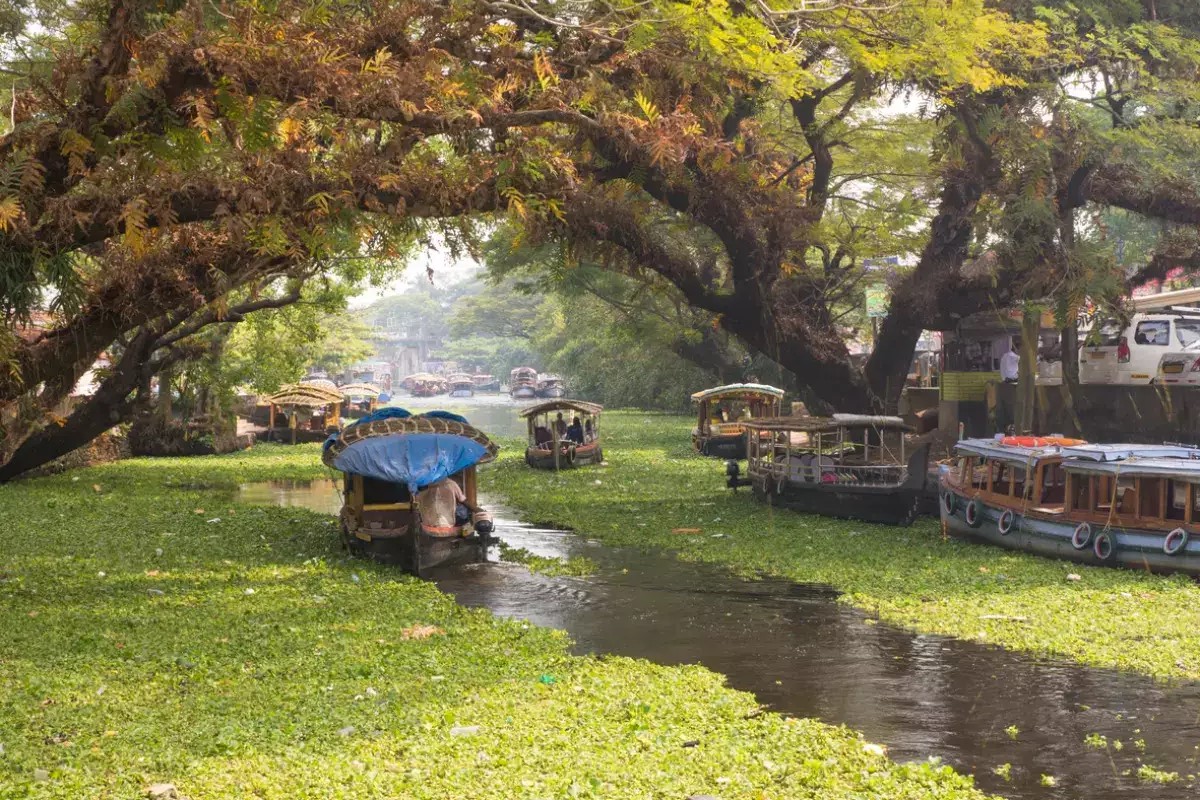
x=394 y=426
x=305 y=395
x=360 y=390
x=320 y=383
x=562 y=405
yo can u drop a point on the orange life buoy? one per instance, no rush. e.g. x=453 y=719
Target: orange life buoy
x=1040 y=441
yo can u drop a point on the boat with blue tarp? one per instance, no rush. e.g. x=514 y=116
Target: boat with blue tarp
x=409 y=488
x=1130 y=505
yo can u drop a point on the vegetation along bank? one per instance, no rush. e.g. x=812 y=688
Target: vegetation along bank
x=656 y=492
x=155 y=631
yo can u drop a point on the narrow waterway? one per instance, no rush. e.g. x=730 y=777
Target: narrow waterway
x=802 y=653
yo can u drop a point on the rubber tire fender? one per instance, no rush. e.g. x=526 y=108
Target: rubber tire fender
x=1082 y=536
x=949 y=503
x=1006 y=514
x=974 y=513
x=1105 y=547
x=1183 y=540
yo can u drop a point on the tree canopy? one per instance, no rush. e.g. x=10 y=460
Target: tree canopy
x=170 y=167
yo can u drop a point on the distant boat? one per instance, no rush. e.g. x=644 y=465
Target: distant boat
x=720 y=430
x=461 y=386
x=551 y=387
x=522 y=382
x=486 y=383
x=572 y=450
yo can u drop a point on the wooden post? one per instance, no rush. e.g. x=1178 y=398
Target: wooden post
x=1031 y=326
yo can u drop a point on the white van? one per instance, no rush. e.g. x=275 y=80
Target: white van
x=1131 y=356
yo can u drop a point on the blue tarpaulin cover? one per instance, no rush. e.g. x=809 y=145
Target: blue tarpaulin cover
x=415 y=459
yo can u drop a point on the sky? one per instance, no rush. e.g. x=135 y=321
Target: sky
x=447 y=271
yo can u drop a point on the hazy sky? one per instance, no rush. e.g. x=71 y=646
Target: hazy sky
x=446 y=271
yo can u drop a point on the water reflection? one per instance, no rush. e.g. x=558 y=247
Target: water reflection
x=802 y=653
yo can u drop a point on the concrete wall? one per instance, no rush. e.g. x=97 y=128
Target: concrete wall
x=1105 y=413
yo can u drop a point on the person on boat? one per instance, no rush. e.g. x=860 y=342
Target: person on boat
x=560 y=426
x=443 y=507
x=542 y=437
x=1010 y=362
x=575 y=431
x=588 y=434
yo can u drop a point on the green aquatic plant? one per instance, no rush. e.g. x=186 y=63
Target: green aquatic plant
x=1004 y=771
x=157 y=631
x=1148 y=774
x=654 y=486
x=546 y=565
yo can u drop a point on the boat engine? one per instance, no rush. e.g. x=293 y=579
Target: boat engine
x=484 y=524
x=733 y=473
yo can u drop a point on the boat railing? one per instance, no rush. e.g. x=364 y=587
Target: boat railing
x=826 y=471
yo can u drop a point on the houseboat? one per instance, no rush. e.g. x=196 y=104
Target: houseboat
x=522 y=383
x=461 y=386
x=410 y=488
x=485 y=383
x=563 y=433
x=723 y=414
x=550 y=386
x=849 y=466
x=1134 y=506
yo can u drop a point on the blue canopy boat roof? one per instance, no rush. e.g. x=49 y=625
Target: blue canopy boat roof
x=1091 y=457
x=1122 y=452
x=990 y=448
x=1185 y=469
x=393 y=445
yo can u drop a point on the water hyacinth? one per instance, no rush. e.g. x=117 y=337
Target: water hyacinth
x=240 y=680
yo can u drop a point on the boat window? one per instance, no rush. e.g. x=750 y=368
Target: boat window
x=1081 y=492
x=964 y=465
x=1021 y=487
x=1127 y=496
x=979 y=475
x=383 y=493
x=1150 y=493
x=1177 y=500
x=1054 y=489
x=1001 y=478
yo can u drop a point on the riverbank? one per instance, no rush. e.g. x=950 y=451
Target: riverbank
x=655 y=492
x=155 y=631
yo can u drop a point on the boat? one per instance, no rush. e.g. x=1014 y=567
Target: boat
x=426 y=385
x=522 y=382
x=850 y=466
x=485 y=383
x=309 y=412
x=409 y=485
x=552 y=442
x=550 y=386
x=359 y=400
x=1128 y=505
x=724 y=412
x=461 y=385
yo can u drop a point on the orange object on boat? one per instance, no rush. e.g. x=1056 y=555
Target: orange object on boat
x=1040 y=441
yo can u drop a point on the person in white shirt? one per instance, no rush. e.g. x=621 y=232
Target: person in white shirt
x=1010 y=363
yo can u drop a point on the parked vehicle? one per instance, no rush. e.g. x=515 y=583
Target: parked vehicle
x=1180 y=367
x=849 y=466
x=1132 y=355
x=1135 y=506
x=410 y=489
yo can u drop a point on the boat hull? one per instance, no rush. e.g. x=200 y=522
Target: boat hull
x=888 y=506
x=552 y=392
x=540 y=458
x=1044 y=535
x=415 y=551
x=524 y=392
x=733 y=446
x=462 y=393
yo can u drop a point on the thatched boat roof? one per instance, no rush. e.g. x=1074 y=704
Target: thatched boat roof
x=562 y=405
x=360 y=390
x=299 y=394
x=399 y=426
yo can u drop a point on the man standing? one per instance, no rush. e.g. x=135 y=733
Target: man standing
x=1010 y=362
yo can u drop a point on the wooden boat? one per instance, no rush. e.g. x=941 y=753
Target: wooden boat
x=550 y=386
x=309 y=412
x=849 y=466
x=552 y=442
x=410 y=489
x=522 y=382
x=359 y=400
x=425 y=385
x=1134 y=506
x=461 y=385
x=485 y=383
x=723 y=414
